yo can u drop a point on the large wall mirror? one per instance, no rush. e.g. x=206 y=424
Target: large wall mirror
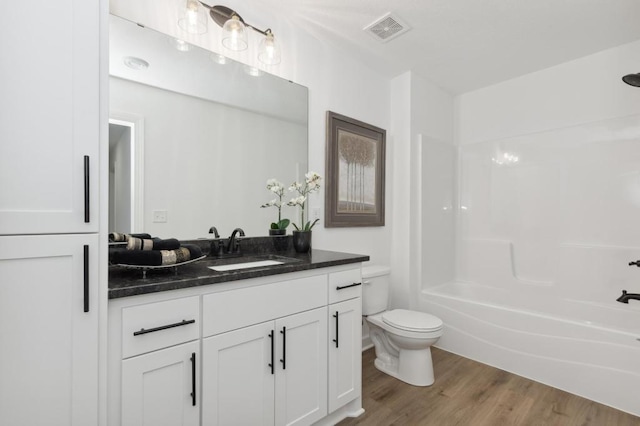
x=193 y=140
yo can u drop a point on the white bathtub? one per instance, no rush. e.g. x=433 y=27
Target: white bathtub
x=589 y=349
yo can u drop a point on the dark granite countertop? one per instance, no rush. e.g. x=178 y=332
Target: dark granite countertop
x=125 y=282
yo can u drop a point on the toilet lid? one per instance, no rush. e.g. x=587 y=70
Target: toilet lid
x=412 y=320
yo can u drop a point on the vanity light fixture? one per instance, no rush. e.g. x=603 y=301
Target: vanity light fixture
x=234 y=33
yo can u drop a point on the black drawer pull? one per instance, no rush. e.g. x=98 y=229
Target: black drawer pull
x=86 y=278
x=164 y=327
x=284 y=348
x=272 y=365
x=193 y=379
x=348 y=286
x=87 y=216
x=337 y=317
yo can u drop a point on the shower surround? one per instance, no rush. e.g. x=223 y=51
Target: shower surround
x=547 y=224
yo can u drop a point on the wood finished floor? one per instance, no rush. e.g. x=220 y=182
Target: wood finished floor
x=470 y=393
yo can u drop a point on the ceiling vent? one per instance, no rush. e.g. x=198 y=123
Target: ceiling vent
x=387 y=28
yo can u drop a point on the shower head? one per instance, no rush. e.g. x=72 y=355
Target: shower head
x=632 y=79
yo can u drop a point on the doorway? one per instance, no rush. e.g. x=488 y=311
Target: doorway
x=125 y=175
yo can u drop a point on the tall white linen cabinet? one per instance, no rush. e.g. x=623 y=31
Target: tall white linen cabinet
x=53 y=277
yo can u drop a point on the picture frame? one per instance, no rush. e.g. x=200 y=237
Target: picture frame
x=355 y=173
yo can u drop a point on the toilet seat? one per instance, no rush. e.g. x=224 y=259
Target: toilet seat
x=412 y=320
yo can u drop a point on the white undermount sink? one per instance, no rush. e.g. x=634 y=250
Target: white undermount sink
x=245 y=265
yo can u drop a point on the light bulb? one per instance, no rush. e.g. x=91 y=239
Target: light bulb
x=269 y=52
x=234 y=34
x=192 y=13
x=194 y=20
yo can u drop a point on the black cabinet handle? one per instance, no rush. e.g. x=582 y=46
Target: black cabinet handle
x=348 y=286
x=163 y=327
x=284 y=348
x=87 y=216
x=193 y=379
x=336 y=316
x=86 y=278
x=272 y=352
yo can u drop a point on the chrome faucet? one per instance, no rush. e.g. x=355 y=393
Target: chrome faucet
x=627 y=296
x=233 y=247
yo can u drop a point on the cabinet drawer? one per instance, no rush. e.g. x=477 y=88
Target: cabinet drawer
x=230 y=310
x=345 y=285
x=153 y=326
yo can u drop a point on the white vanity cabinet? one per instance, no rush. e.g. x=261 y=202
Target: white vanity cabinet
x=285 y=354
x=263 y=347
x=48 y=330
x=160 y=388
x=49 y=124
x=345 y=337
x=50 y=292
x=238 y=382
x=160 y=372
x=266 y=374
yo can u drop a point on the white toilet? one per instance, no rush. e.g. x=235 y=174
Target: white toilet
x=402 y=338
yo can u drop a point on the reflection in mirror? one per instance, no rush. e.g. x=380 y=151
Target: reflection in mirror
x=207 y=137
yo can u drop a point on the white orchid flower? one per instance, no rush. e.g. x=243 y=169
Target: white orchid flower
x=312 y=177
x=297 y=201
x=276 y=187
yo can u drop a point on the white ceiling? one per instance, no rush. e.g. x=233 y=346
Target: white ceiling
x=463 y=45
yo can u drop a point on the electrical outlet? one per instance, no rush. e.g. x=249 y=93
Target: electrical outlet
x=315 y=213
x=159 y=216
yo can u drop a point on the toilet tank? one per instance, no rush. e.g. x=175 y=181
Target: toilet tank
x=375 y=289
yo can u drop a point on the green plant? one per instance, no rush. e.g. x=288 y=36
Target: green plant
x=277 y=188
x=281 y=224
x=311 y=184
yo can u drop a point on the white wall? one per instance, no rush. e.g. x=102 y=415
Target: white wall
x=423 y=177
x=565 y=213
x=336 y=82
x=581 y=91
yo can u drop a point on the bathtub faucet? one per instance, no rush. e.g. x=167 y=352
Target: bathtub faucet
x=626 y=296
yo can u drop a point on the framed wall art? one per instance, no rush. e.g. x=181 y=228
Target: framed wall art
x=355 y=172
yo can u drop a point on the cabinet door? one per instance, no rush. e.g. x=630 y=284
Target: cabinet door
x=50 y=116
x=238 y=380
x=301 y=380
x=161 y=387
x=49 y=344
x=345 y=352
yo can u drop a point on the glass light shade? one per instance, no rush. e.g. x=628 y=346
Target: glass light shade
x=269 y=50
x=234 y=34
x=193 y=17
